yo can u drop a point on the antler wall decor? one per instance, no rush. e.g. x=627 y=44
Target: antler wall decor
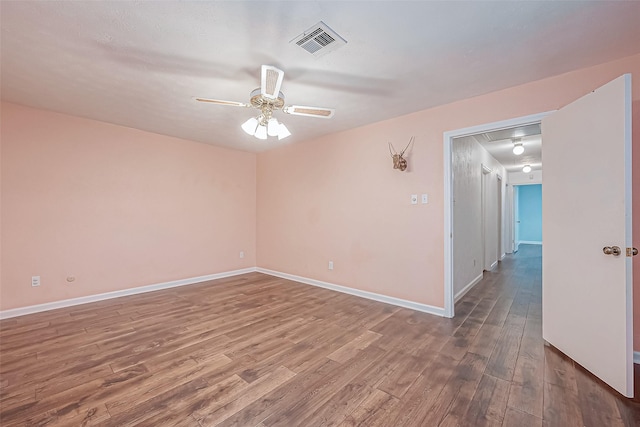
x=399 y=162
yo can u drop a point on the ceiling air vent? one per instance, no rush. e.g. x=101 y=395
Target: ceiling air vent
x=319 y=40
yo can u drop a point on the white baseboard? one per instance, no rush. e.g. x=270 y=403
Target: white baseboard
x=14 y=312
x=467 y=288
x=636 y=357
x=425 y=308
x=493 y=265
x=529 y=242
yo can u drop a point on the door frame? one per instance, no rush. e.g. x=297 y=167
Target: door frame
x=448 y=192
x=509 y=218
x=484 y=188
x=501 y=224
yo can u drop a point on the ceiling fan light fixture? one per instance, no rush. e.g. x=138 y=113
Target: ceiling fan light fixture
x=250 y=126
x=273 y=127
x=526 y=169
x=261 y=132
x=255 y=127
x=283 y=132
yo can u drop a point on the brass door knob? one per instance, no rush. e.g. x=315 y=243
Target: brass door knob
x=612 y=250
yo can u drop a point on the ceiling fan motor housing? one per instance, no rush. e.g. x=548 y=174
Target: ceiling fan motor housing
x=257 y=100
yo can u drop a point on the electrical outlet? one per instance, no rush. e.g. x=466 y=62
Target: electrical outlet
x=35 y=281
x=330 y=265
x=425 y=199
x=241 y=254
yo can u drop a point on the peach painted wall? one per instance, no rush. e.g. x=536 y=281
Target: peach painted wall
x=337 y=197
x=115 y=207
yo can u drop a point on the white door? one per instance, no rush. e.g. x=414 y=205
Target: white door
x=587 y=308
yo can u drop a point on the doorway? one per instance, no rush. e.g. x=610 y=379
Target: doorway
x=450 y=201
x=529 y=221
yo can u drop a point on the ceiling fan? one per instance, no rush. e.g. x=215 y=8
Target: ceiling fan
x=268 y=98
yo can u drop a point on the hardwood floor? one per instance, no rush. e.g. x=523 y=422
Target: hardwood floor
x=255 y=350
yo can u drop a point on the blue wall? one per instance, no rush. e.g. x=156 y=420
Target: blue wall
x=530 y=212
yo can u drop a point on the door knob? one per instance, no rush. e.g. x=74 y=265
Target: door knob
x=632 y=251
x=612 y=250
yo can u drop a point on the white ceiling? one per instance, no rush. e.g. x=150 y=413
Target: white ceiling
x=140 y=64
x=500 y=145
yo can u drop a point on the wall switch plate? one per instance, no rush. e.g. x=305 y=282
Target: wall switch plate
x=414 y=199
x=425 y=199
x=330 y=265
x=35 y=281
x=241 y=254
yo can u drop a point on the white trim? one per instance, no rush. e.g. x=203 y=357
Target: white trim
x=636 y=357
x=529 y=242
x=493 y=265
x=467 y=288
x=449 y=300
x=628 y=207
x=448 y=194
x=503 y=256
x=14 y=312
x=425 y=308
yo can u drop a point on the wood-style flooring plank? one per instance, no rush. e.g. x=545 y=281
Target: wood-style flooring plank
x=375 y=406
x=280 y=399
x=347 y=398
x=254 y=392
x=353 y=347
x=456 y=396
x=597 y=402
x=526 y=392
x=422 y=395
x=405 y=372
x=513 y=417
x=488 y=404
x=503 y=360
x=322 y=390
x=561 y=407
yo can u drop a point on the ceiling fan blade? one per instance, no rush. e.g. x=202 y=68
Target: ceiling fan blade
x=301 y=110
x=271 y=81
x=221 y=102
